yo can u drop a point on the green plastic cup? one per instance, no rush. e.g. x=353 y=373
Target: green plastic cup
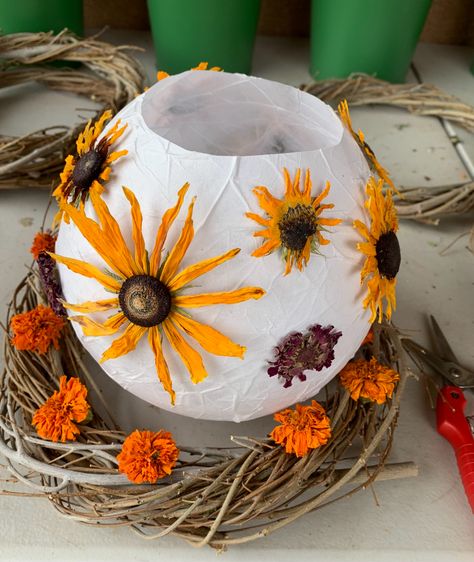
x=371 y=36
x=33 y=16
x=220 y=32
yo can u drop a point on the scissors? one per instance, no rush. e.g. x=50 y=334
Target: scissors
x=451 y=421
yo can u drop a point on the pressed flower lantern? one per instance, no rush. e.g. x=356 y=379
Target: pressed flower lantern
x=216 y=272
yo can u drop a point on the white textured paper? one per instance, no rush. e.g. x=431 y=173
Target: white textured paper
x=225 y=134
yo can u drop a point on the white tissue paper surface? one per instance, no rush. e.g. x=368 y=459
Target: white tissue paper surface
x=226 y=134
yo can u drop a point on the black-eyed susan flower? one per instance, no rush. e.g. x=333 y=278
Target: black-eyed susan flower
x=87 y=170
x=374 y=164
x=293 y=223
x=382 y=250
x=149 y=290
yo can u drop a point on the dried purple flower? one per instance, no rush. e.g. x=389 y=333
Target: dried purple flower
x=298 y=352
x=47 y=273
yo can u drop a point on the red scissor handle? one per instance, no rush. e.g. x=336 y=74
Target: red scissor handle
x=453 y=426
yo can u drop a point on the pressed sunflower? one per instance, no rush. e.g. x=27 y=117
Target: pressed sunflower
x=147 y=456
x=369 y=379
x=359 y=137
x=149 y=289
x=87 y=170
x=302 y=429
x=382 y=250
x=292 y=223
x=161 y=74
x=56 y=419
x=43 y=242
x=36 y=329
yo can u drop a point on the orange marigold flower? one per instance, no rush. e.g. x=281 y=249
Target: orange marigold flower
x=56 y=419
x=43 y=242
x=368 y=379
x=35 y=330
x=302 y=429
x=147 y=456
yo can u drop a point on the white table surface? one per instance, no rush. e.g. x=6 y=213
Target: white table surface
x=418 y=519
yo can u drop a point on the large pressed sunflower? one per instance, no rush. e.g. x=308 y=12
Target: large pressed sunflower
x=374 y=164
x=87 y=170
x=382 y=250
x=293 y=223
x=149 y=290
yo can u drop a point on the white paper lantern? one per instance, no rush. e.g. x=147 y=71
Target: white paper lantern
x=225 y=134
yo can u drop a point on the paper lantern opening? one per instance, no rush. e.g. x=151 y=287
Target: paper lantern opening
x=230 y=114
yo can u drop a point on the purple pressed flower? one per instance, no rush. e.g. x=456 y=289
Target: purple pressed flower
x=47 y=273
x=299 y=352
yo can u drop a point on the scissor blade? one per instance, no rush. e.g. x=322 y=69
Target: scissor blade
x=443 y=348
x=425 y=355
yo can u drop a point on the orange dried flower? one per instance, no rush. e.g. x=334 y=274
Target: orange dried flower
x=147 y=456
x=369 y=379
x=56 y=419
x=35 y=330
x=43 y=242
x=302 y=429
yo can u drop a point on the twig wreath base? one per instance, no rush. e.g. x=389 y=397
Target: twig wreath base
x=215 y=496
x=108 y=76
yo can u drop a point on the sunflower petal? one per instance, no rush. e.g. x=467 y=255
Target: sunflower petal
x=258 y=219
x=329 y=222
x=322 y=195
x=307 y=187
x=125 y=343
x=189 y=356
x=266 y=200
x=112 y=233
x=100 y=241
x=115 y=156
x=137 y=221
x=227 y=297
x=92 y=328
x=179 y=250
x=196 y=270
x=208 y=338
x=89 y=270
x=266 y=248
x=91 y=306
x=166 y=222
x=154 y=339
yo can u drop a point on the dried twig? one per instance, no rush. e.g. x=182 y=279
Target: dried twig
x=421 y=99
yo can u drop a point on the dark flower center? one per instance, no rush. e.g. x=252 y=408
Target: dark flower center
x=388 y=255
x=296 y=226
x=88 y=168
x=145 y=300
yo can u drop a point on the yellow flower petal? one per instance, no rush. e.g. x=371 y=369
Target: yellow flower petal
x=166 y=222
x=125 y=343
x=112 y=234
x=196 y=270
x=88 y=270
x=266 y=248
x=258 y=219
x=103 y=244
x=189 y=356
x=91 y=306
x=137 y=221
x=154 y=339
x=179 y=250
x=92 y=328
x=227 y=297
x=208 y=338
